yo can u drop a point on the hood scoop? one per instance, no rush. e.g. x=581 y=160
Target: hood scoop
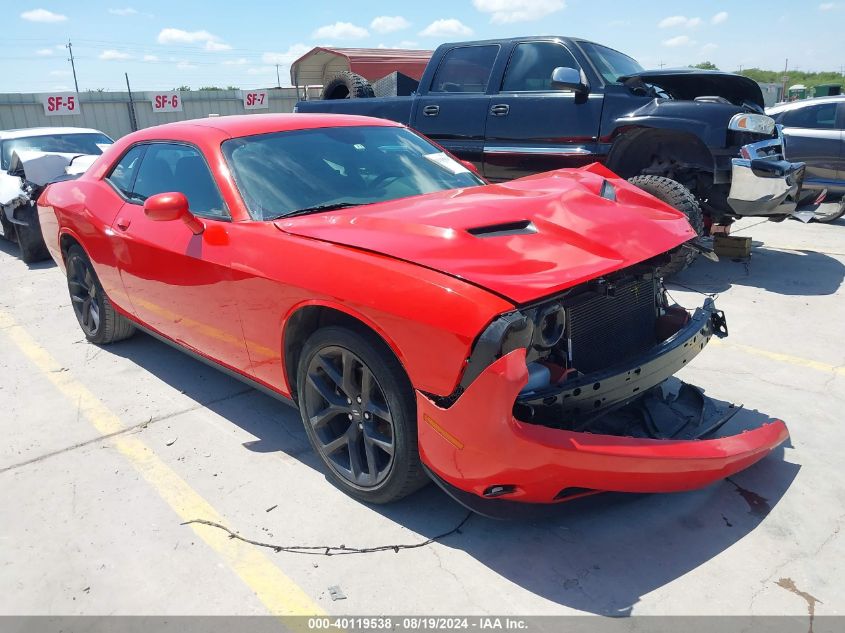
x=520 y=227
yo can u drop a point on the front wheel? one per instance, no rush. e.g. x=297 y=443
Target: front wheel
x=675 y=195
x=359 y=412
x=100 y=322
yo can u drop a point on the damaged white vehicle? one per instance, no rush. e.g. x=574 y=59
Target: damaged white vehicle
x=29 y=160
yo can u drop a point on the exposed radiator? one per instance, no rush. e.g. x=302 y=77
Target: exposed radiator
x=606 y=330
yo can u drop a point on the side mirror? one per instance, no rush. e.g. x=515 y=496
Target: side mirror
x=565 y=78
x=471 y=166
x=163 y=207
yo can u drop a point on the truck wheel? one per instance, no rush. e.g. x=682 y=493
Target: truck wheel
x=676 y=195
x=360 y=414
x=348 y=85
x=31 y=244
x=100 y=322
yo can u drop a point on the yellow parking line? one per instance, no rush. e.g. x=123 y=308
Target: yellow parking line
x=782 y=358
x=280 y=594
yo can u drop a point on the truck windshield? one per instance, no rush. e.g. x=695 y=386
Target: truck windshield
x=64 y=143
x=610 y=63
x=318 y=170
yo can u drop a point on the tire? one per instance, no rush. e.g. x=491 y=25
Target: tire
x=347 y=85
x=349 y=433
x=99 y=321
x=675 y=195
x=31 y=243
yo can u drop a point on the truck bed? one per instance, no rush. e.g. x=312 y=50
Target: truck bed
x=392 y=108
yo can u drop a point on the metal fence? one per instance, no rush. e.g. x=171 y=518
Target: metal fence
x=111 y=112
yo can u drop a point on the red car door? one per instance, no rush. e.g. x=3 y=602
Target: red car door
x=178 y=282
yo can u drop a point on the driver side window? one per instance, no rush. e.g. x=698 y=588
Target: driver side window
x=173 y=167
x=531 y=64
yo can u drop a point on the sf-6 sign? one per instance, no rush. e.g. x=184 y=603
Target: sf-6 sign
x=166 y=101
x=256 y=99
x=60 y=103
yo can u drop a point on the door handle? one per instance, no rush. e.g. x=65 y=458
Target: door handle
x=123 y=223
x=500 y=109
x=431 y=110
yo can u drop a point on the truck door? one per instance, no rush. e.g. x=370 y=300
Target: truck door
x=453 y=109
x=532 y=127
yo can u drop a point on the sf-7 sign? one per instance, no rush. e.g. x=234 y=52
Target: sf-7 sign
x=256 y=99
x=60 y=103
x=166 y=101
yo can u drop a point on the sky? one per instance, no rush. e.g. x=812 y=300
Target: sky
x=166 y=44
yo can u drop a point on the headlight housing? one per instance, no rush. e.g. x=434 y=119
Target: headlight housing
x=756 y=123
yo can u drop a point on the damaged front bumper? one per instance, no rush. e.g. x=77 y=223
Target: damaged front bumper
x=762 y=182
x=483 y=454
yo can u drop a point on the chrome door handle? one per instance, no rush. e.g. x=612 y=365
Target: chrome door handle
x=431 y=110
x=500 y=109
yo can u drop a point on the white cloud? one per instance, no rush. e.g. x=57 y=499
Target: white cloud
x=236 y=62
x=150 y=58
x=827 y=6
x=710 y=46
x=288 y=57
x=126 y=11
x=389 y=24
x=260 y=70
x=447 y=27
x=719 y=18
x=680 y=40
x=43 y=15
x=111 y=54
x=212 y=45
x=44 y=52
x=183 y=65
x=340 y=31
x=679 y=20
x=408 y=44
x=508 y=11
x=60 y=73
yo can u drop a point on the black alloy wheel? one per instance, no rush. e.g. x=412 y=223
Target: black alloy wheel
x=83 y=295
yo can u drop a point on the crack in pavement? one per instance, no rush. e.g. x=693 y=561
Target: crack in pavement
x=128 y=429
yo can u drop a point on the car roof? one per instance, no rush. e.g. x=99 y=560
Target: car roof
x=26 y=132
x=803 y=103
x=239 y=125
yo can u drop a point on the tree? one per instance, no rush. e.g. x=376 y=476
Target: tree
x=705 y=66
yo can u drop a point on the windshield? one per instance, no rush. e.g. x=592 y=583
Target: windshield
x=287 y=172
x=610 y=63
x=65 y=143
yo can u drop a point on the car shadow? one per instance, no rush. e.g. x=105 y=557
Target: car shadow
x=786 y=272
x=599 y=554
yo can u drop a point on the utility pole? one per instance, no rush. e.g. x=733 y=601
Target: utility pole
x=785 y=78
x=69 y=47
x=278 y=81
x=661 y=64
x=133 y=121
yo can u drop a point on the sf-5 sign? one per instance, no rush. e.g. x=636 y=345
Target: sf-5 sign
x=256 y=99
x=61 y=103
x=166 y=101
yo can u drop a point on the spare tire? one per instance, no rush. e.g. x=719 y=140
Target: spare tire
x=348 y=85
x=675 y=195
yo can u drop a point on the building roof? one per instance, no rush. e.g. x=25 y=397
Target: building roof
x=320 y=64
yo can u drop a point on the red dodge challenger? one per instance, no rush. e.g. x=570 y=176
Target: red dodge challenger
x=513 y=342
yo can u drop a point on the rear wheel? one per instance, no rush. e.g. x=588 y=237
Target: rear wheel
x=94 y=312
x=676 y=195
x=359 y=412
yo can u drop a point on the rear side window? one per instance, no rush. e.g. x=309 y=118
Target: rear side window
x=531 y=65
x=465 y=69
x=123 y=174
x=170 y=167
x=816 y=117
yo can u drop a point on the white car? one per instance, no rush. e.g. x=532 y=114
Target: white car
x=29 y=159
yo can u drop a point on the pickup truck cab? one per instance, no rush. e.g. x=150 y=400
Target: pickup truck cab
x=519 y=106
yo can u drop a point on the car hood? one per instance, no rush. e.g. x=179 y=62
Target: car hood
x=522 y=240
x=686 y=85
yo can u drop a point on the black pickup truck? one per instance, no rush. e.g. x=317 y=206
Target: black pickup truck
x=519 y=106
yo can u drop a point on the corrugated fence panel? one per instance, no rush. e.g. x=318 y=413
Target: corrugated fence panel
x=110 y=111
